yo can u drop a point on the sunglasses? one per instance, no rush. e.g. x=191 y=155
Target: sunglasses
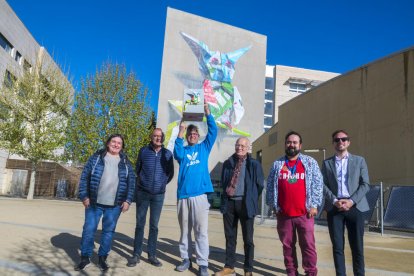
x=343 y=139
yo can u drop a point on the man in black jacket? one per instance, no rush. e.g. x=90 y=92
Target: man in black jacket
x=155 y=169
x=242 y=182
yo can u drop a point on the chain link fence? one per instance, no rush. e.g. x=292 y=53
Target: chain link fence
x=391 y=208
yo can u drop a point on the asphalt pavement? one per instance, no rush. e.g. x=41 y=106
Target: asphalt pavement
x=41 y=237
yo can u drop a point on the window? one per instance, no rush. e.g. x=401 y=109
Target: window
x=269 y=95
x=9 y=79
x=27 y=66
x=6 y=45
x=268 y=121
x=270 y=83
x=297 y=87
x=268 y=108
x=18 y=58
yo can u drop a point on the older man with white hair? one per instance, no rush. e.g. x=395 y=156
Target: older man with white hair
x=242 y=182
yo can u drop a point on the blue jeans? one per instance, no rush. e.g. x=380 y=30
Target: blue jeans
x=154 y=202
x=93 y=215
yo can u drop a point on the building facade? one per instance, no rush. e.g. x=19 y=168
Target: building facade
x=374 y=103
x=284 y=83
x=269 y=101
x=234 y=70
x=19 y=52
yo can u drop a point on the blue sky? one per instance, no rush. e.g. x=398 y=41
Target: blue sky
x=335 y=36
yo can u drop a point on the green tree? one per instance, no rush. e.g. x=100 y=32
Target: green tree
x=153 y=121
x=111 y=101
x=35 y=108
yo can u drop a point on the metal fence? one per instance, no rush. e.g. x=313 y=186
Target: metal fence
x=391 y=208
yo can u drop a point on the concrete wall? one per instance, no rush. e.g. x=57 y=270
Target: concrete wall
x=180 y=71
x=3 y=172
x=374 y=103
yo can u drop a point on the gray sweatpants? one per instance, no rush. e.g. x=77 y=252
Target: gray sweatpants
x=193 y=215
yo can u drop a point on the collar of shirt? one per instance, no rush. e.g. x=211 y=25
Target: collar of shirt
x=339 y=159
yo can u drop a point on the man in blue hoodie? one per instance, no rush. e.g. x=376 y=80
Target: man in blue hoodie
x=155 y=169
x=193 y=185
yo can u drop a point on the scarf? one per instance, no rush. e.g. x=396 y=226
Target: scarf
x=231 y=189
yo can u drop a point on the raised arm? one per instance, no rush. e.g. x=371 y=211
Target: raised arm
x=179 y=143
x=212 y=129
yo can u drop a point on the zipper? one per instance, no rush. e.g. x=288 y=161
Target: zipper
x=119 y=179
x=96 y=163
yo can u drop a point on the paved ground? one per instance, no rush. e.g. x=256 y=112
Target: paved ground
x=41 y=237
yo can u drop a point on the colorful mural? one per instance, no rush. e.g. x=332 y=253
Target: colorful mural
x=223 y=98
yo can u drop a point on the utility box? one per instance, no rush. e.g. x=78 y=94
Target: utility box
x=193 y=109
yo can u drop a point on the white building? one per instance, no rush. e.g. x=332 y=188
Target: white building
x=284 y=83
x=18 y=52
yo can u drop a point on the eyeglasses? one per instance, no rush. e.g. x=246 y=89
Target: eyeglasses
x=193 y=134
x=343 y=139
x=240 y=146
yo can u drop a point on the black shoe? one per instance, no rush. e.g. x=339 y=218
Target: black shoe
x=133 y=261
x=103 y=265
x=203 y=271
x=84 y=263
x=184 y=265
x=154 y=261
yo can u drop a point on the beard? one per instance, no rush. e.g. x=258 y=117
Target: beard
x=291 y=151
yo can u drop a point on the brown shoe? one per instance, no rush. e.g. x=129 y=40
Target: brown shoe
x=248 y=273
x=226 y=271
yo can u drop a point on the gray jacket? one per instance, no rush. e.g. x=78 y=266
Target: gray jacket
x=358 y=181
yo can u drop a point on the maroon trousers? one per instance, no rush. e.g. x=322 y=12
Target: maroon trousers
x=302 y=228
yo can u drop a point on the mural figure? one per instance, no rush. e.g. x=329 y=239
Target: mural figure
x=194 y=98
x=223 y=98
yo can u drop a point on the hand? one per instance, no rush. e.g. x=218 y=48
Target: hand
x=182 y=130
x=86 y=202
x=206 y=108
x=312 y=212
x=125 y=207
x=338 y=204
x=277 y=213
x=344 y=204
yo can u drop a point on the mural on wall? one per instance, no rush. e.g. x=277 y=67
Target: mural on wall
x=223 y=98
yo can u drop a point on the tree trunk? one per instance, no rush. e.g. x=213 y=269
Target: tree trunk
x=32 y=183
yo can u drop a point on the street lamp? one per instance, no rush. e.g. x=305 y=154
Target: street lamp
x=316 y=150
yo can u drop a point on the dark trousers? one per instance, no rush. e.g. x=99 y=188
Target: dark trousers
x=354 y=222
x=236 y=210
x=155 y=203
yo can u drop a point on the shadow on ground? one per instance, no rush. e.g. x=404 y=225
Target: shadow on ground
x=57 y=257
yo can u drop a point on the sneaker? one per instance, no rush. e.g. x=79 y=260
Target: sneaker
x=226 y=271
x=154 y=261
x=103 y=265
x=133 y=261
x=203 y=271
x=184 y=265
x=84 y=263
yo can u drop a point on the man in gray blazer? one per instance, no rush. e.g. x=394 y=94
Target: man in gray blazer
x=346 y=183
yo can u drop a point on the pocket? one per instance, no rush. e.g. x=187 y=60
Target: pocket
x=206 y=203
